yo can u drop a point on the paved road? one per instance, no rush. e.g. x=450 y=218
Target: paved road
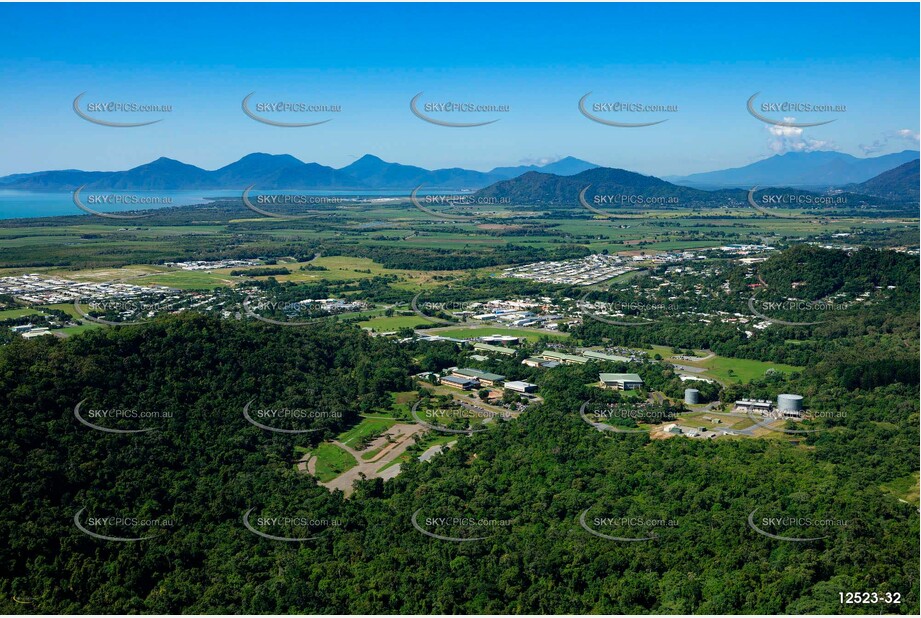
x=434 y=450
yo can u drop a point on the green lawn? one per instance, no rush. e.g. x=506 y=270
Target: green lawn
x=480 y=331
x=385 y=324
x=76 y=330
x=8 y=314
x=332 y=461
x=722 y=368
x=67 y=308
x=742 y=369
x=366 y=427
x=189 y=280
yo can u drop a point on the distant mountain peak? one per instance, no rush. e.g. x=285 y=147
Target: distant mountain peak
x=816 y=169
x=282 y=171
x=369 y=158
x=264 y=156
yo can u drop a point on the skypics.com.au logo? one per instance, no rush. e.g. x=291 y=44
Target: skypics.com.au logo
x=452 y=207
x=104 y=113
x=289 y=309
x=796 y=528
x=625 y=528
x=464 y=413
x=775 y=204
x=623 y=313
x=115 y=200
x=762 y=308
x=92 y=416
x=129 y=311
x=438 y=112
x=625 y=417
x=289 y=528
x=261 y=417
x=106 y=528
x=605 y=112
x=458 y=528
x=260 y=111
x=261 y=202
x=784 y=108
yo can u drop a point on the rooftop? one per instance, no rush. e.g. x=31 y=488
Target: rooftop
x=482 y=375
x=565 y=357
x=493 y=348
x=620 y=377
x=604 y=356
x=519 y=384
x=456 y=380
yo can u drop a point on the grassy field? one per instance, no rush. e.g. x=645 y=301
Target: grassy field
x=724 y=369
x=741 y=370
x=470 y=332
x=384 y=324
x=332 y=461
x=189 y=279
x=905 y=488
x=76 y=330
x=343 y=268
x=9 y=314
x=366 y=427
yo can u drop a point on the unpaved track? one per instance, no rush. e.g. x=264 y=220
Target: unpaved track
x=370 y=468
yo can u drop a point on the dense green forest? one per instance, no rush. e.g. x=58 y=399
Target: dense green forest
x=205 y=466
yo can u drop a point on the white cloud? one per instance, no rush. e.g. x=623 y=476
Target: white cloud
x=902 y=137
x=791 y=139
x=540 y=161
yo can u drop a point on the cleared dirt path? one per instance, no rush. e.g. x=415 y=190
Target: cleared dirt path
x=402 y=435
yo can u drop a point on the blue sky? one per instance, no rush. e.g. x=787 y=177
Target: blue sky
x=538 y=59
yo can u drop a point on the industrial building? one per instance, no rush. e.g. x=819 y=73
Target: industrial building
x=620 y=381
x=459 y=382
x=763 y=406
x=494 y=349
x=565 y=359
x=484 y=377
x=605 y=357
x=503 y=339
x=521 y=387
x=540 y=362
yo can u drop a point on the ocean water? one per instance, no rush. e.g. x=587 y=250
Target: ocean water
x=16 y=204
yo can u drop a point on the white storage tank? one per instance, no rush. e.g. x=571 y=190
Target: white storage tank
x=790 y=403
x=691 y=395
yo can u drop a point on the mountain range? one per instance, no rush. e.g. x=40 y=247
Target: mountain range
x=898 y=185
x=551 y=189
x=555 y=183
x=621 y=188
x=806 y=170
x=276 y=172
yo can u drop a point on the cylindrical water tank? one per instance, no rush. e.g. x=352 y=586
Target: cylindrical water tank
x=790 y=403
x=691 y=395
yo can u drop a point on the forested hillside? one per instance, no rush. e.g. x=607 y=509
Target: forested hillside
x=205 y=466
